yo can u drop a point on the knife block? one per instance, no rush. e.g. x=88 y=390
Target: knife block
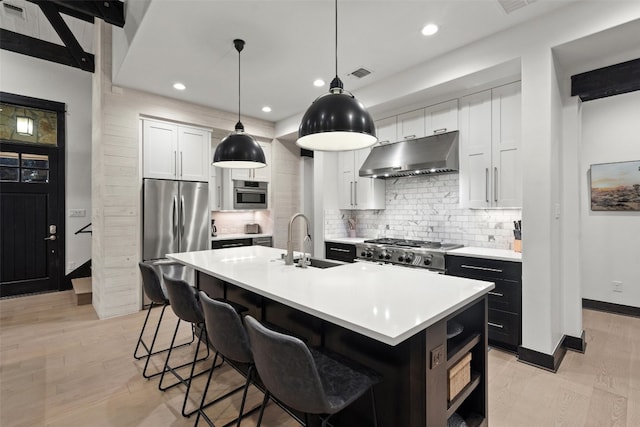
x=517 y=245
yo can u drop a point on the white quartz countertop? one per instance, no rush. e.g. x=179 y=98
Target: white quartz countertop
x=384 y=302
x=488 y=253
x=348 y=240
x=238 y=236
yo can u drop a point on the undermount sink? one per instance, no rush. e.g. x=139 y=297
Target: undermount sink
x=321 y=263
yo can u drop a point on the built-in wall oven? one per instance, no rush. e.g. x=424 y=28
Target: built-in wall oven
x=250 y=194
x=409 y=253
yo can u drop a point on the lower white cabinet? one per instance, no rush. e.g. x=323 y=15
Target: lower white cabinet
x=490 y=138
x=356 y=192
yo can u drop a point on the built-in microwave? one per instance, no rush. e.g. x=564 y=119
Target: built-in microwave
x=250 y=194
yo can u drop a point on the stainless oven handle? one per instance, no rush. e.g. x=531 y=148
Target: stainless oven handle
x=249 y=190
x=232 y=245
x=496 y=294
x=495 y=325
x=475 y=267
x=339 y=250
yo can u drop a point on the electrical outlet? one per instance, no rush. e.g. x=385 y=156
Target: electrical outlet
x=437 y=356
x=77 y=212
x=617 y=286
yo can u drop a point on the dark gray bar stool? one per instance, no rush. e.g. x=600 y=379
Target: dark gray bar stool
x=185 y=304
x=228 y=336
x=305 y=379
x=153 y=290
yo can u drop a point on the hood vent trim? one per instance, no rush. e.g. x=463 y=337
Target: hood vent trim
x=428 y=155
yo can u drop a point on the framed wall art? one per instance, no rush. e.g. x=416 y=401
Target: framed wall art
x=615 y=186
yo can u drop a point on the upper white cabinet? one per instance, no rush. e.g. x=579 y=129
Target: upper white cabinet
x=386 y=130
x=441 y=117
x=178 y=152
x=260 y=174
x=356 y=192
x=490 y=137
x=411 y=125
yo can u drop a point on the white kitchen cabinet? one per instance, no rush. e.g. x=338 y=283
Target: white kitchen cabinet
x=356 y=192
x=260 y=174
x=386 y=130
x=411 y=125
x=441 y=117
x=175 y=152
x=490 y=135
x=215 y=183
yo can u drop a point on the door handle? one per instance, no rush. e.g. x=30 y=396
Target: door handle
x=182 y=215
x=175 y=163
x=355 y=192
x=219 y=197
x=181 y=169
x=495 y=184
x=351 y=193
x=409 y=137
x=486 y=184
x=495 y=325
x=52 y=237
x=440 y=130
x=174 y=227
x=496 y=294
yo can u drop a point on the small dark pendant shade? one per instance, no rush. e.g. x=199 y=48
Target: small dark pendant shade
x=239 y=149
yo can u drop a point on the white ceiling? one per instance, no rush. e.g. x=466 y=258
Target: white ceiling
x=290 y=43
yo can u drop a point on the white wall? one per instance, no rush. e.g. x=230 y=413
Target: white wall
x=610 y=247
x=24 y=75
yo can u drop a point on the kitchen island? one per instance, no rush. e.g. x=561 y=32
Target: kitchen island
x=392 y=319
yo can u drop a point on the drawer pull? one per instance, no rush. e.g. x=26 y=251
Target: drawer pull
x=340 y=250
x=496 y=325
x=232 y=245
x=475 y=267
x=497 y=294
x=409 y=137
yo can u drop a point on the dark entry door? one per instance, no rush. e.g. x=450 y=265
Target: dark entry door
x=31 y=203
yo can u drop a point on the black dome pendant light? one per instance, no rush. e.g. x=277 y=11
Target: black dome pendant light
x=336 y=121
x=239 y=149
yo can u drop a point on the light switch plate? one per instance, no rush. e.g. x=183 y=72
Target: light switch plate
x=437 y=356
x=77 y=212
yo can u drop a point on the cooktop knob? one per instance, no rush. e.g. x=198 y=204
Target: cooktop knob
x=363 y=253
x=369 y=254
x=427 y=261
x=400 y=258
x=387 y=256
x=409 y=258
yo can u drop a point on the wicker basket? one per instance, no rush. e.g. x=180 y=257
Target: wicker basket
x=459 y=376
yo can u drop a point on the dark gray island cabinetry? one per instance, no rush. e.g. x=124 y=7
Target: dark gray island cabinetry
x=391 y=319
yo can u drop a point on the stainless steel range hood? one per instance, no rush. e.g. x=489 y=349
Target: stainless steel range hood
x=431 y=154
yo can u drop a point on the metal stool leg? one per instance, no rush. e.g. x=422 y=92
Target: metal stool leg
x=144 y=325
x=264 y=404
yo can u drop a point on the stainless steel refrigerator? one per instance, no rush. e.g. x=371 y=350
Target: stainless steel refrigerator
x=176 y=218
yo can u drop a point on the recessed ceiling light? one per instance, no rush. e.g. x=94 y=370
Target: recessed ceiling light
x=429 y=29
x=266 y=109
x=179 y=86
x=318 y=83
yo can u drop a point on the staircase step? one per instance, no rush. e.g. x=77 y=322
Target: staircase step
x=82 y=290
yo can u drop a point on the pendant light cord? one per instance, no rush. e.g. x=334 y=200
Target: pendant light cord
x=336 y=10
x=239 y=86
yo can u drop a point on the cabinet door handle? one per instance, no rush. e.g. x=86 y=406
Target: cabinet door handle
x=351 y=192
x=219 y=197
x=440 y=130
x=181 y=169
x=496 y=325
x=496 y=294
x=409 y=137
x=486 y=184
x=355 y=192
x=339 y=250
x=174 y=165
x=495 y=184
x=475 y=267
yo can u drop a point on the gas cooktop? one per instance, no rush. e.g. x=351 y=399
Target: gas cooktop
x=414 y=243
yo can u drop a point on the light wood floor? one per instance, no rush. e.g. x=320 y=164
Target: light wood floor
x=61 y=366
